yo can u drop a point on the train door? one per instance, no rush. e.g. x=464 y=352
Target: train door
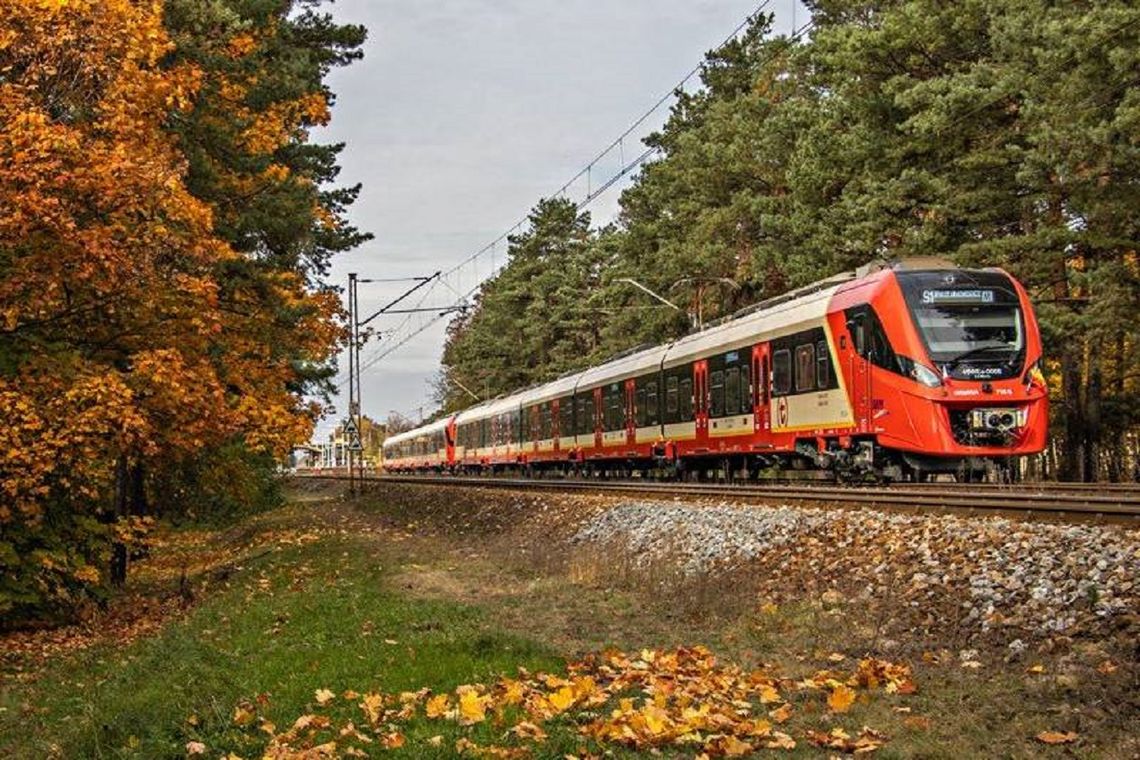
x=556 y=424
x=599 y=415
x=854 y=351
x=761 y=384
x=630 y=412
x=701 y=402
x=449 y=438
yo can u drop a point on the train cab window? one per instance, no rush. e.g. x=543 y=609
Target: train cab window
x=822 y=365
x=781 y=372
x=651 y=408
x=686 y=399
x=640 y=408
x=805 y=367
x=671 y=405
x=746 y=391
x=716 y=384
x=732 y=390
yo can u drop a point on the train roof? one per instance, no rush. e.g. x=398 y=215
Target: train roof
x=563 y=386
x=769 y=319
x=410 y=435
x=476 y=412
x=641 y=362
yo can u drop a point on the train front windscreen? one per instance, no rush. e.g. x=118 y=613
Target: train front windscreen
x=971 y=322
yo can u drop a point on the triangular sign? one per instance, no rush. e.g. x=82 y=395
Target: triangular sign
x=354 y=441
x=350 y=427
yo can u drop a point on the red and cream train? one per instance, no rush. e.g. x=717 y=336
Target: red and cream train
x=894 y=372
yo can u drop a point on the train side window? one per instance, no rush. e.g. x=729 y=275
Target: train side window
x=640 y=408
x=746 y=391
x=805 y=367
x=566 y=417
x=651 y=409
x=685 y=399
x=671 y=405
x=781 y=372
x=822 y=365
x=716 y=383
x=763 y=381
x=731 y=390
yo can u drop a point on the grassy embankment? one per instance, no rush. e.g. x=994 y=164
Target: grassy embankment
x=399 y=596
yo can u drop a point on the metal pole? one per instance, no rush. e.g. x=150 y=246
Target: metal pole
x=359 y=391
x=351 y=373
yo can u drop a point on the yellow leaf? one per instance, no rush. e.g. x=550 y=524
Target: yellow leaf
x=781 y=714
x=528 y=730
x=841 y=699
x=733 y=747
x=768 y=694
x=1035 y=669
x=472 y=708
x=656 y=719
x=1056 y=737
x=436 y=741
x=393 y=740
x=243 y=715
x=438 y=706
x=562 y=699
x=780 y=741
x=513 y=694
x=373 y=706
x=769 y=608
x=324 y=696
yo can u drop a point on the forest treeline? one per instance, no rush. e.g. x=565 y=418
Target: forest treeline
x=993 y=133
x=165 y=221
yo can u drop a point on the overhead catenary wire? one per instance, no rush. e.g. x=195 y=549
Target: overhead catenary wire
x=619 y=140
x=393 y=341
x=396 y=343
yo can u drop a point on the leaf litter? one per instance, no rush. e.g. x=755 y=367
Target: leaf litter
x=651 y=700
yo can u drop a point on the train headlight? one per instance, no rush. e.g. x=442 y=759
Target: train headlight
x=920 y=372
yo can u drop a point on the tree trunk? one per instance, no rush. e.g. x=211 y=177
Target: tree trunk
x=1069 y=466
x=118 y=548
x=1091 y=447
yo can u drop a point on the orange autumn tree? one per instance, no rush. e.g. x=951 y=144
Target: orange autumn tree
x=251 y=158
x=121 y=345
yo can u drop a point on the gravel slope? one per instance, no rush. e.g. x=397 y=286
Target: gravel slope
x=988 y=573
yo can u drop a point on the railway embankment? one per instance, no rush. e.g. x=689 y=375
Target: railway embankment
x=976 y=576
x=437 y=621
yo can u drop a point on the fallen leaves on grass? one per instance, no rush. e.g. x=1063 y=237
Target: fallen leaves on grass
x=652 y=700
x=841 y=699
x=1057 y=737
x=867 y=741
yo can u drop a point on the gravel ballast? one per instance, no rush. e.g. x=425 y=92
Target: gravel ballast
x=996 y=573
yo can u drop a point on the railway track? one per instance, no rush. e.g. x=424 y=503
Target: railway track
x=1117 y=503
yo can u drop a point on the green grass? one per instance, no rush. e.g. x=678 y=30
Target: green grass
x=284 y=641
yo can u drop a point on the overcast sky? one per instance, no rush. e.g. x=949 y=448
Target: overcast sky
x=463 y=113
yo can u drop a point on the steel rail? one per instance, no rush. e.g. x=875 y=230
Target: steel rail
x=1125 y=505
